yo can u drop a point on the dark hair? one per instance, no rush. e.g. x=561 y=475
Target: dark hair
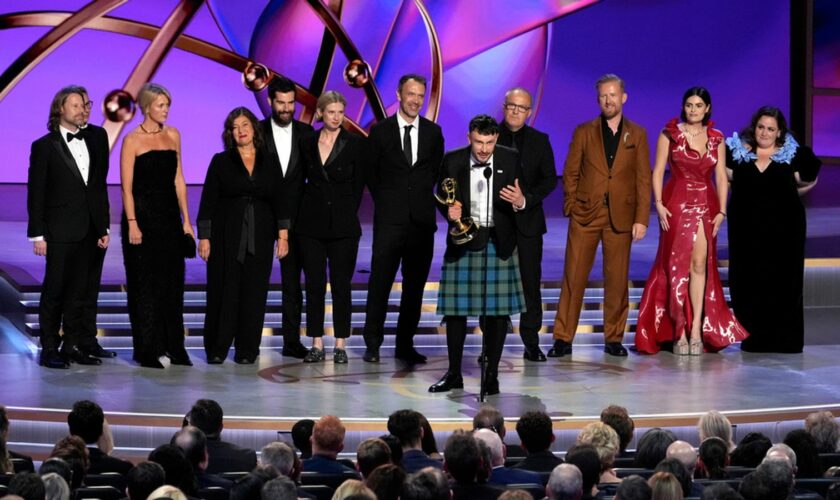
x=719 y=491
x=535 y=431
x=427 y=442
x=653 y=447
x=396 y=448
x=484 y=125
x=679 y=471
x=249 y=486
x=753 y=488
x=86 y=420
x=585 y=458
x=58 y=466
x=617 y=417
x=808 y=463
x=633 y=487
x=58 y=101
x=27 y=485
x=462 y=457
x=144 y=478
x=490 y=418
x=4 y=421
x=713 y=454
x=301 y=432
x=833 y=492
x=227 y=133
x=411 y=76
x=279 y=488
x=177 y=468
x=193 y=443
x=405 y=424
x=206 y=414
x=386 y=481
x=5 y=460
x=751 y=450
x=778 y=476
x=372 y=453
x=428 y=483
x=703 y=94
x=280 y=84
x=748 y=134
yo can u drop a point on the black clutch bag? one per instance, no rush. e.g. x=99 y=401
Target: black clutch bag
x=189 y=246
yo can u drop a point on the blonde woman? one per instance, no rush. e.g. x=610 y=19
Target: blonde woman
x=715 y=424
x=353 y=488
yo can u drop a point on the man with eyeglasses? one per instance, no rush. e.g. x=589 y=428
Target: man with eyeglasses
x=536 y=160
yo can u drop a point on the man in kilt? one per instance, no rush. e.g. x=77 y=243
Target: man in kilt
x=465 y=288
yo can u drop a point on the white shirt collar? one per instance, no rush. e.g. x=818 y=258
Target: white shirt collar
x=402 y=123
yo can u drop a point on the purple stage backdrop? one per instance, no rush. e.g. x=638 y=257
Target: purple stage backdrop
x=556 y=48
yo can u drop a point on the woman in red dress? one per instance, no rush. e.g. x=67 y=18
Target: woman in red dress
x=683 y=300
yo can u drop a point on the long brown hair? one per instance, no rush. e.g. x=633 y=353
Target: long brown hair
x=227 y=133
x=57 y=102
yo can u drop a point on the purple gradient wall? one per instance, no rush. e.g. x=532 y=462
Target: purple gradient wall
x=738 y=50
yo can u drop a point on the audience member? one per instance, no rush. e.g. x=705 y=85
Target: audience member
x=715 y=424
x=778 y=476
x=386 y=481
x=249 y=486
x=664 y=486
x=585 y=458
x=167 y=491
x=751 y=450
x=833 y=492
x=72 y=450
x=808 y=463
x=327 y=442
x=396 y=448
x=825 y=430
x=500 y=474
x=753 y=488
x=208 y=416
x=491 y=418
x=6 y=466
x=565 y=483
x=177 y=469
x=714 y=458
x=428 y=442
x=143 y=479
x=87 y=421
x=279 y=488
x=352 y=489
x=675 y=467
x=427 y=484
x=193 y=443
x=633 y=488
x=515 y=494
x=652 y=447
x=370 y=454
x=282 y=458
x=4 y=435
x=57 y=466
x=536 y=435
x=618 y=418
x=781 y=451
x=685 y=453
x=407 y=427
x=720 y=491
x=462 y=460
x=301 y=437
x=604 y=439
x=28 y=486
x=55 y=487
x=486 y=467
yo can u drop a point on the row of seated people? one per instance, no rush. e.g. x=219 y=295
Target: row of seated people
x=196 y=455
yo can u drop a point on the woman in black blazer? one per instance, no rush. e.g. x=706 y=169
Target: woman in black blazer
x=327 y=224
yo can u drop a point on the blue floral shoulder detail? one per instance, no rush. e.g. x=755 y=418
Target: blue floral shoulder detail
x=786 y=153
x=740 y=153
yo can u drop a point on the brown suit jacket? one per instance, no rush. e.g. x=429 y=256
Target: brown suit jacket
x=587 y=177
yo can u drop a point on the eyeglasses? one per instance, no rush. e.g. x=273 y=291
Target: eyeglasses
x=88 y=104
x=518 y=107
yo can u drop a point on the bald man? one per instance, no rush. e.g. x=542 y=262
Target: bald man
x=685 y=453
x=502 y=475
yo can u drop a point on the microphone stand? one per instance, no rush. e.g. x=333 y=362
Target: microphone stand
x=488 y=173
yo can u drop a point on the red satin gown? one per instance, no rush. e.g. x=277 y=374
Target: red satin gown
x=665 y=311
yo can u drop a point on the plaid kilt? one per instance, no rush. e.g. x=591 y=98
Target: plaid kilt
x=462 y=286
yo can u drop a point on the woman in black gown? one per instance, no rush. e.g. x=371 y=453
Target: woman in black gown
x=327 y=223
x=240 y=217
x=769 y=171
x=154 y=221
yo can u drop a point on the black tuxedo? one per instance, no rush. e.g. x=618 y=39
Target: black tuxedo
x=71 y=216
x=101 y=463
x=228 y=457
x=404 y=225
x=539 y=174
x=291 y=265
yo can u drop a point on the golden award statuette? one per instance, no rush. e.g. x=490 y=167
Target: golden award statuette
x=464 y=229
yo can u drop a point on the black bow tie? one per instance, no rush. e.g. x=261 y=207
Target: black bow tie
x=78 y=135
x=480 y=165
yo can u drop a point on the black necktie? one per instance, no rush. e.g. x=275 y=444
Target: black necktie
x=79 y=135
x=407 y=145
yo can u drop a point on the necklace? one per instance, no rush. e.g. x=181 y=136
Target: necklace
x=693 y=134
x=159 y=130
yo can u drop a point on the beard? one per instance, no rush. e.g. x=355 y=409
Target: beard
x=283 y=120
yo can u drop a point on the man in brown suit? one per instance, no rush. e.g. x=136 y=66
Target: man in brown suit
x=606 y=182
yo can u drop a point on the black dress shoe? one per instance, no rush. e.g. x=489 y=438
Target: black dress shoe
x=340 y=356
x=152 y=363
x=51 y=359
x=180 y=358
x=560 y=349
x=75 y=355
x=97 y=351
x=242 y=360
x=314 y=355
x=410 y=356
x=448 y=382
x=534 y=354
x=615 y=349
x=371 y=356
x=295 y=350
x=491 y=386
x=215 y=360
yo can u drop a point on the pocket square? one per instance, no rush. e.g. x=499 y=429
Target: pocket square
x=500 y=171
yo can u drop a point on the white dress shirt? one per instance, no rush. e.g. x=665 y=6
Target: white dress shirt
x=79 y=150
x=479 y=209
x=283 y=142
x=415 y=134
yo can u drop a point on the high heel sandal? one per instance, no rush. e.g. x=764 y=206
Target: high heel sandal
x=681 y=347
x=695 y=347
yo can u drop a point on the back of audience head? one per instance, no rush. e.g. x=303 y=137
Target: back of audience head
x=55 y=487
x=6 y=466
x=604 y=439
x=167 y=491
x=72 y=450
x=715 y=424
x=485 y=468
x=685 y=453
x=406 y=426
x=86 y=420
x=208 y=416
x=833 y=492
x=825 y=430
x=494 y=444
x=808 y=463
x=328 y=436
x=751 y=450
x=281 y=457
x=193 y=443
x=781 y=451
x=353 y=489
x=489 y=417
x=665 y=486
x=143 y=479
x=370 y=454
x=250 y=485
x=617 y=417
x=585 y=458
x=753 y=488
x=428 y=483
x=714 y=458
x=675 y=467
x=720 y=491
x=396 y=448
x=633 y=487
x=279 y=488
x=515 y=494
x=565 y=483
x=301 y=434
x=28 y=486
x=176 y=467
x=428 y=442
x=58 y=466
x=535 y=431
x=778 y=476
x=462 y=457
x=386 y=481
x=652 y=447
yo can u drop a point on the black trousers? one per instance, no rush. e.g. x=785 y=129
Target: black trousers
x=412 y=247
x=291 y=267
x=530 y=250
x=495 y=329
x=339 y=256
x=63 y=293
x=87 y=337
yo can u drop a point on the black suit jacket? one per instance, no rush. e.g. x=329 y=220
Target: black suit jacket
x=295 y=173
x=404 y=193
x=333 y=191
x=543 y=461
x=456 y=164
x=100 y=463
x=227 y=457
x=61 y=207
x=536 y=161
